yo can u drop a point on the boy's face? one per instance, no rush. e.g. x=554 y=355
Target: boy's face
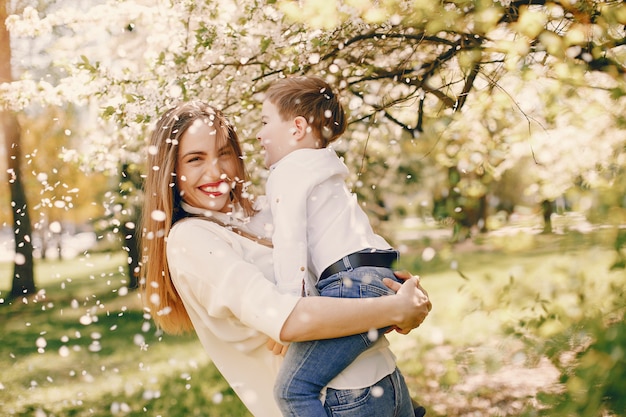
x=277 y=136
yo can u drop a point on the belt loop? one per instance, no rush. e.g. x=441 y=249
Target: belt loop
x=347 y=264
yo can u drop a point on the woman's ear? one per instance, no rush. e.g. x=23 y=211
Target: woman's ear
x=301 y=127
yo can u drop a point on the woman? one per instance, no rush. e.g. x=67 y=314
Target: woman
x=206 y=268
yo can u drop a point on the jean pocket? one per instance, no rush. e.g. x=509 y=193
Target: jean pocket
x=346 y=399
x=371 y=290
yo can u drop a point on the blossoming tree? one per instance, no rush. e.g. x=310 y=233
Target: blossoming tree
x=447 y=83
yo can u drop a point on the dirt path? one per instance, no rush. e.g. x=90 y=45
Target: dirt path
x=463 y=383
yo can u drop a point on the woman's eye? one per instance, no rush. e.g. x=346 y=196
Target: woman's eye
x=193 y=159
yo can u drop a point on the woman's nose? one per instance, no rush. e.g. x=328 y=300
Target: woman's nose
x=212 y=169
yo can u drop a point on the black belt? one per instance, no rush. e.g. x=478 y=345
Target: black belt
x=356 y=259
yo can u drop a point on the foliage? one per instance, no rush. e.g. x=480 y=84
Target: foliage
x=585 y=342
x=595 y=379
x=479 y=86
x=57 y=188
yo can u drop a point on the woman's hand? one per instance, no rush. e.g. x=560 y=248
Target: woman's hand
x=276 y=348
x=414 y=301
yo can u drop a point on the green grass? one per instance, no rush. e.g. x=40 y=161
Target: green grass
x=85 y=348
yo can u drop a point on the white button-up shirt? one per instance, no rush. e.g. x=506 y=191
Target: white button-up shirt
x=317 y=221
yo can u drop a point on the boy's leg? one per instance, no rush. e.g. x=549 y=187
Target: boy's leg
x=308 y=367
x=388 y=397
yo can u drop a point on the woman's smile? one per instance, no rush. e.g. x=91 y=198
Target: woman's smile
x=215 y=189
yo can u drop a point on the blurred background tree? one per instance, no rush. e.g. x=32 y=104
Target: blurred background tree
x=23 y=282
x=471 y=89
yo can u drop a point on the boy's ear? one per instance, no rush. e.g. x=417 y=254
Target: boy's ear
x=301 y=126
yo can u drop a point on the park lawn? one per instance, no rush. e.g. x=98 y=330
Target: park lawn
x=87 y=349
x=468 y=359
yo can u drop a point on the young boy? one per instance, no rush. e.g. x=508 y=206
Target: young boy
x=323 y=244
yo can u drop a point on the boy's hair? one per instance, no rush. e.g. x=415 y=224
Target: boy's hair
x=313 y=99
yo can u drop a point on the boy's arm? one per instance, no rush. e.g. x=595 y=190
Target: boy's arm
x=287 y=194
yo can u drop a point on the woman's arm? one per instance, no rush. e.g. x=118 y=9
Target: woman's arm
x=230 y=293
x=316 y=318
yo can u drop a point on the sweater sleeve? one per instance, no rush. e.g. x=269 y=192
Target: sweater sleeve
x=213 y=272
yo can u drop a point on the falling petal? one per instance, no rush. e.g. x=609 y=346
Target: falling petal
x=158 y=215
x=41 y=342
x=372 y=335
x=95 y=346
x=19 y=259
x=428 y=254
x=64 y=351
x=155 y=299
x=377 y=391
x=150 y=394
x=139 y=340
x=224 y=188
x=55 y=227
x=218 y=397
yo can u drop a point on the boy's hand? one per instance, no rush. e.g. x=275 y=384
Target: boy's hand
x=419 y=304
x=276 y=348
x=406 y=275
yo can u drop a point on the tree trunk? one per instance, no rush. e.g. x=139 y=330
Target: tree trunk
x=547 y=208
x=130 y=182
x=23 y=268
x=132 y=247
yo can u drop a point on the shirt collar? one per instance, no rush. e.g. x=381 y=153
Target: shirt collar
x=230 y=218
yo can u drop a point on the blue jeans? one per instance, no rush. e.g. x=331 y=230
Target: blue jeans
x=309 y=366
x=389 y=397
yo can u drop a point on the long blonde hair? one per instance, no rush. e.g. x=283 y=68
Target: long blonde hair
x=162 y=207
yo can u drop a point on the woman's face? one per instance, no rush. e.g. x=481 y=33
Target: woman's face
x=205 y=168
